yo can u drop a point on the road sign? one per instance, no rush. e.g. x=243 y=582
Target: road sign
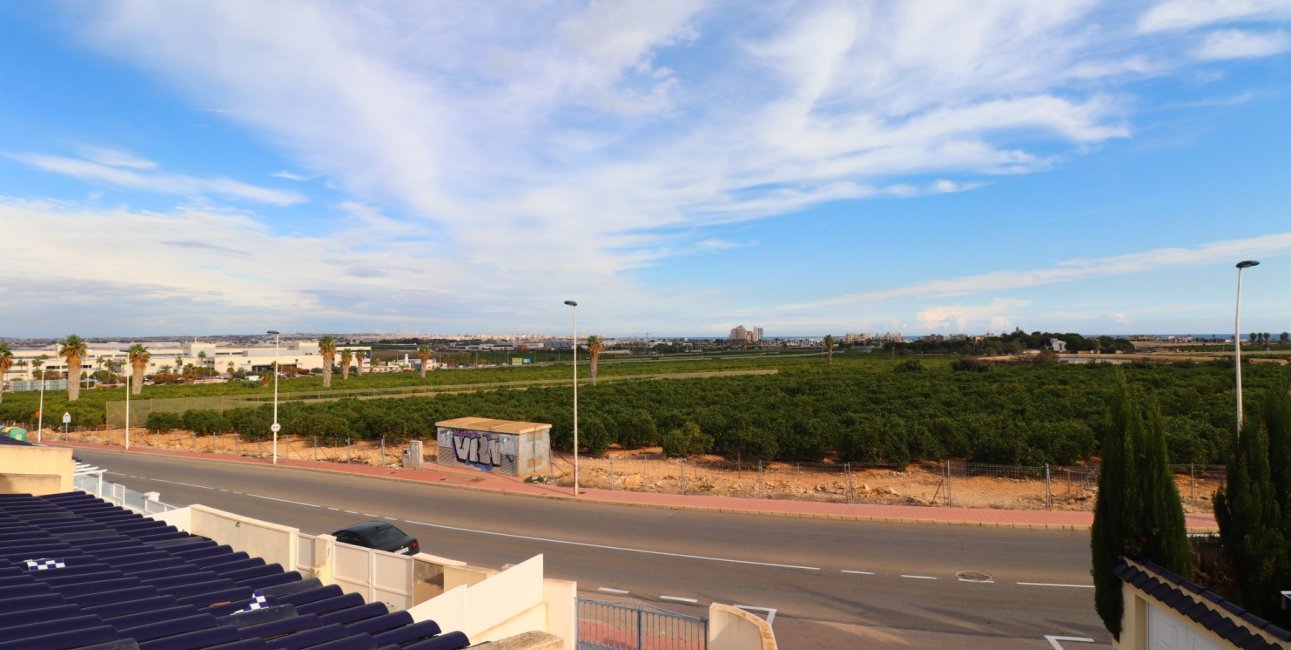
x=275 y=427
x=67 y=417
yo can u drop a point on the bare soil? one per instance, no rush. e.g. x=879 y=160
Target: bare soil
x=645 y=470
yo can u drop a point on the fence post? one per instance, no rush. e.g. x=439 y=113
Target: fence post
x=1192 y=477
x=949 y=499
x=383 y=452
x=347 y=450
x=847 y=467
x=611 y=473
x=1048 y=490
x=762 y=480
x=681 y=474
x=316 y=448
x=639 y=633
x=194 y=441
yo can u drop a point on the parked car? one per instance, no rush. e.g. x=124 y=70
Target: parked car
x=379 y=535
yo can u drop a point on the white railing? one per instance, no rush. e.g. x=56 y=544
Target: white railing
x=92 y=482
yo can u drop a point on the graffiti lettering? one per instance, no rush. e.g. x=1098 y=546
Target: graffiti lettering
x=477 y=449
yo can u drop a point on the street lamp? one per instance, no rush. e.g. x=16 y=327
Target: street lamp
x=129 y=379
x=1237 y=339
x=40 y=411
x=574 y=305
x=275 y=428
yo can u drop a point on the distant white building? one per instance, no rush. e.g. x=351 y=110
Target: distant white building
x=303 y=355
x=1057 y=345
x=745 y=335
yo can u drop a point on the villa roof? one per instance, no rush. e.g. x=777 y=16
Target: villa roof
x=78 y=572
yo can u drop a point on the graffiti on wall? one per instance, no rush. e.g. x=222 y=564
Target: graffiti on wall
x=481 y=449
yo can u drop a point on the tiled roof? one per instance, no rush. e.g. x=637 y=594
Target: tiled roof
x=1205 y=607
x=77 y=572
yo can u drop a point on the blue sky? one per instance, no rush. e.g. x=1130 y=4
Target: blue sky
x=677 y=167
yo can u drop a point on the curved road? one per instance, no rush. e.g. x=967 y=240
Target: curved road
x=831 y=582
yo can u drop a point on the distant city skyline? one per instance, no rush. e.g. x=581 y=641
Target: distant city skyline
x=678 y=168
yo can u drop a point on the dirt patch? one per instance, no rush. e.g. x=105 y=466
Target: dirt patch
x=645 y=470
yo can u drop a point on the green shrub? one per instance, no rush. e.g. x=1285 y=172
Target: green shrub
x=686 y=440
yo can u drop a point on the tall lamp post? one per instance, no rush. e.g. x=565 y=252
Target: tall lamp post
x=1237 y=339
x=275 y=427
x=129 y=379
x=574 y=305
x=40 y=411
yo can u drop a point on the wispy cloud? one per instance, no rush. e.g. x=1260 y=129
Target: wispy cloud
x=1242 y=44
x=1188 y=14
x=136 y=174
x=115 y=157
x=1069 y=271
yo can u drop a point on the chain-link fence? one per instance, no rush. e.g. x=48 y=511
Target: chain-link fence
x=931 y=483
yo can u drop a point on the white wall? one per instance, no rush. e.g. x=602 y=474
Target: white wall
x=273 y=542
x=731 y=628
x=503 y=605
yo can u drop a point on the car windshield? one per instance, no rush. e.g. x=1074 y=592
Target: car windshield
x=385 y=535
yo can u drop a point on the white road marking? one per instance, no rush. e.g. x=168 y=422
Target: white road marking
x=333 y=509
x=769 y=610
x=298 y=503
x=608 y=547
x=162 y=480
x=392 y=519
x=983 y=582
x=862 y=573
x=1052 y=584
x=1053 y=640
x=679 y=599
x=352 y=512
x=368 y=514
x=609 y=590
x=918 y=577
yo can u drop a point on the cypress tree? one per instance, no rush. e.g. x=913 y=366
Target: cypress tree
x=1164 y=535
x=1110 y=533
x=1138 y=511
x=1254 y=524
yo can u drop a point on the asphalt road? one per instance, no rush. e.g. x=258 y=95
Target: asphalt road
x=827 y=580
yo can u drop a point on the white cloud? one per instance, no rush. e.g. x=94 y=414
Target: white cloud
x=142 y=179
x=959 y=318
x=1070 y=271
x=115 y=157
x=578 y=142
x=1242 y=44
x=1188 y=14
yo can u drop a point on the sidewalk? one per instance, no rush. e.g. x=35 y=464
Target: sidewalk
x=477 y=480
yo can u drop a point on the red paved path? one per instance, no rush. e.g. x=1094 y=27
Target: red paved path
x=477 y=480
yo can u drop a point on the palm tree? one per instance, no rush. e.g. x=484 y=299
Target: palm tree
x=829 y=348
x=139 y=356
x=358 y=362
x=424 y=353
x=593 y=355
x=73 y=349
x=327 y=348
x=346 y=356
x=6 y=362
x=230 y=369
x=38 y=363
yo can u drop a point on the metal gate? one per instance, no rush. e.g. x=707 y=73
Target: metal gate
x=606 y=625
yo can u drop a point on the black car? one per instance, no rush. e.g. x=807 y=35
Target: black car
x=379 y=535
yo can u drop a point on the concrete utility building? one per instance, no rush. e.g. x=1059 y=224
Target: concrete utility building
x=508 y=447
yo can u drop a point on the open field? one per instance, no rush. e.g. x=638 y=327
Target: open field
x=645 y=470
